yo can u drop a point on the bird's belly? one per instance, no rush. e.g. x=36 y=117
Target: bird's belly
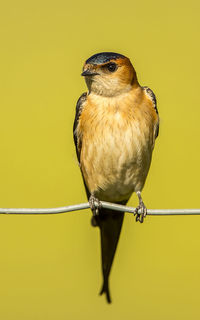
x=116 y=162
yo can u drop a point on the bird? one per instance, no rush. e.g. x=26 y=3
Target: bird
x=115 y=128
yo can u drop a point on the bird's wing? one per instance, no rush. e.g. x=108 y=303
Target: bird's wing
x=152 y=96
x=77 y=139
x=79 y=108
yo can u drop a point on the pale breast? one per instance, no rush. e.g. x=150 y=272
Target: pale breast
x=116 y=151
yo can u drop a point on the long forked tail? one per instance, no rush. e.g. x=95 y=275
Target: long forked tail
x=105 y=289
x=110 y=223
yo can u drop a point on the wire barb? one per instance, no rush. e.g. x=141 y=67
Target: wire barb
x=107 y=205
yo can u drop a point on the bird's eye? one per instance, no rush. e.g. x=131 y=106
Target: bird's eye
x=111 y=67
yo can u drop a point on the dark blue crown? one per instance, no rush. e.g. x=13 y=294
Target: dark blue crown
x=104 y=57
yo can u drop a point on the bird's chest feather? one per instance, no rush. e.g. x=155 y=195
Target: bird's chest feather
x=116 y=148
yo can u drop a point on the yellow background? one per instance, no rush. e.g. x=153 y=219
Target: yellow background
x=50 y=265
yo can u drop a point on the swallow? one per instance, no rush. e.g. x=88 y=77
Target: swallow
x=115 y=128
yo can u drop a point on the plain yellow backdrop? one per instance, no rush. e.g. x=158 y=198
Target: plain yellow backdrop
x=50 y=265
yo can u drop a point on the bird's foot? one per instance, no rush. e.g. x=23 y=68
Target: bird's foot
x=95 y=205
x=140 y=212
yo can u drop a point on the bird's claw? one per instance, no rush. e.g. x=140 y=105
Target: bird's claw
x=142 y=214
x=95 y=205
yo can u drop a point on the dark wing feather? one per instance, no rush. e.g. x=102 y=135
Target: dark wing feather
x=152 y=96
x=79 y=108
x=77 y=142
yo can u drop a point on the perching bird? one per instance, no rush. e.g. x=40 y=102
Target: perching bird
x=115 y=128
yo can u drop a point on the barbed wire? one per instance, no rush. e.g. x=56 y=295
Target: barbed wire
x=107 y=205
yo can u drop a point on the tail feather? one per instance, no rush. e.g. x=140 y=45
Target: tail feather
x=110 y=223
x=105 y=289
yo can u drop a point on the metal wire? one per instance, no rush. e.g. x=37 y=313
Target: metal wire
x=107 y=205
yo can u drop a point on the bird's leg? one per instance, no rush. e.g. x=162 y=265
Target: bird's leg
x=143 y=210
x=95 y=205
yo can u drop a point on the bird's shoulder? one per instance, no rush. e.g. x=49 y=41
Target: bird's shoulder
x=79 y=105
x=79 y=108
x=150 y=94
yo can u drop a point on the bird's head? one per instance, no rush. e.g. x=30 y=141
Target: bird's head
x=109 y=74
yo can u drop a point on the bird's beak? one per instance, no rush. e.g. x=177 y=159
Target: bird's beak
x=89 y=73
